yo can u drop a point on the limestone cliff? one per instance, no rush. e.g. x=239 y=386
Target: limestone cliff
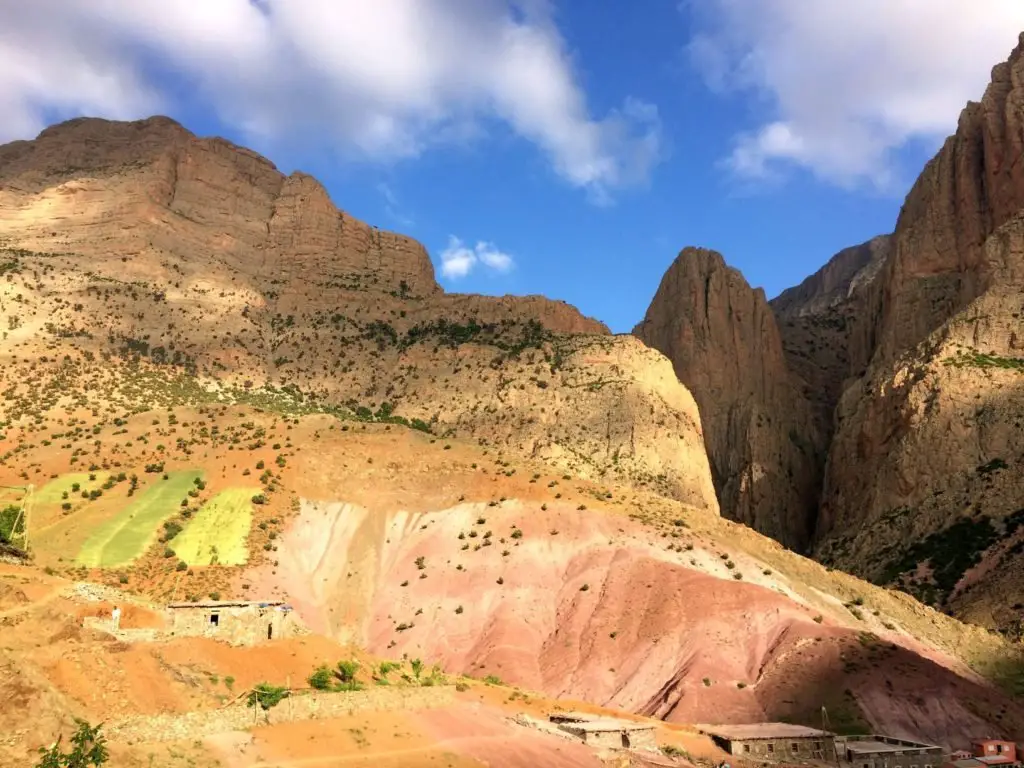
x=923 y=480
x=722 y=339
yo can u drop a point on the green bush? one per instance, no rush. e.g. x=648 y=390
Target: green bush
x=267 y=696
x=88 y=748
x=322 y=678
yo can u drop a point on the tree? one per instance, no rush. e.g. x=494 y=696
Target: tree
x=267 y=696
x=89 y=748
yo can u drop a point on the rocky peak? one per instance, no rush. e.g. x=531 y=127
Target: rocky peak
x=849 y=271
x=723 y=341
x=972 y=186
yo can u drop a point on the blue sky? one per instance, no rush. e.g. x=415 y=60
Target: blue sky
x=583 y=144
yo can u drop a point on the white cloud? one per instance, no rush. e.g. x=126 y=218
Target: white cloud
x=844 y=84
x=458 y=260
x=385 y=79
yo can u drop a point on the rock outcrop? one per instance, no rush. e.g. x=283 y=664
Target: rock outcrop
x=722 y=339
x=153 y=188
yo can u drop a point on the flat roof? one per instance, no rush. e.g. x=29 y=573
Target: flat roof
x=606 y=724
x=870 y=745
x=752 y=731
x=229 y=604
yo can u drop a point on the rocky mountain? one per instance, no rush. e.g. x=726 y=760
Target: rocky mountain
x=908 y=354
x=763 y=444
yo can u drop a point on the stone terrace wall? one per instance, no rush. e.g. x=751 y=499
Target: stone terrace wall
x=239 y=717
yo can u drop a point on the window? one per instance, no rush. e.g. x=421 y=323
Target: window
x=215 y=619
x=771 y=747
x=999 y=748
x=817 y=746
x=746 y=749
x=795 y=746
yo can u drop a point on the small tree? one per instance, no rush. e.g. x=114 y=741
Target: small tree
x=89 y=748
x=322 y=678
x=267 y=696
x=346 y=673
x=417 y=667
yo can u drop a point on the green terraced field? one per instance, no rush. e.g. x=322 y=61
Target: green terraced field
x=126 y=537
x=53 y=491
x=217 y=533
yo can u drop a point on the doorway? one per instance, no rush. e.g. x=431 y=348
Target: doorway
x=270 y=631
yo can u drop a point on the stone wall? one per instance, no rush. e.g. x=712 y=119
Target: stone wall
x=312 y=706
x=238 y=625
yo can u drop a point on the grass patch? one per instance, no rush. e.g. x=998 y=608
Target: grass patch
x=53 y=492
x=123 y=539
x=217 y=533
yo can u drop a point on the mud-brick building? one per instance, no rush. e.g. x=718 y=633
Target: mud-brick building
x=887 y=752
x=235 y=622
x=780 y=742
x=606 y=732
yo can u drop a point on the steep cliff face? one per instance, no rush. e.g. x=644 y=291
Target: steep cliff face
x=923 y=479
x=153 y=188
x=129 y=240
x=828 y=324
x=722 y=339
x=972 y=186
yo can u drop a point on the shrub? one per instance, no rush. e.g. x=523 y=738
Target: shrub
x=322 y=678
x=346 y=671
x=88 y=748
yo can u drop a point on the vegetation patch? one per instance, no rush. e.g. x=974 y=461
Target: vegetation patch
x=950 y=553
x=217 y=534
x=72 y=484
x=974 y=359
x=126 y=537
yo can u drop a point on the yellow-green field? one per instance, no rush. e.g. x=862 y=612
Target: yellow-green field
x=53 y=492
x=126 y=537
x=217 y=533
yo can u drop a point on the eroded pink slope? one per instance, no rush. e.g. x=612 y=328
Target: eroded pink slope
x=596 y=607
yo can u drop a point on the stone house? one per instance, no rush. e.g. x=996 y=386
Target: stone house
x=233 y=621
x=780 y=742
x=887 y=752
x=606 y=732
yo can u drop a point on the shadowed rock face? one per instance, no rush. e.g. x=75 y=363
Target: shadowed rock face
x=722 y=339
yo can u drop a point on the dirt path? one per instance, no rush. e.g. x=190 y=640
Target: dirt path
x=373 y=756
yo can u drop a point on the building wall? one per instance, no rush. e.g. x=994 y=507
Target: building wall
x=642 y=739
x=793 y=748
x=238 y=625
x=603 y=739
x=910 y=758
x=995 y=748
